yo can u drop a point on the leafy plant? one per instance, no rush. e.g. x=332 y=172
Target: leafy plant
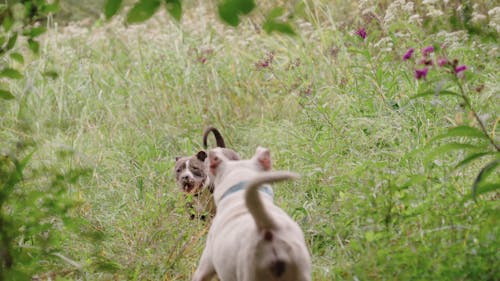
x=36 y=205
x=229 y=12
x=476 y=142
x=20 y=18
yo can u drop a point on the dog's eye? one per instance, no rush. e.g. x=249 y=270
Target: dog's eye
x=179 y=170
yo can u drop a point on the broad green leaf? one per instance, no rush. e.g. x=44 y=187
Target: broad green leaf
x=10 y=73
x=12 y=41
x=111 y=7
x=245 y=6
x=142 y=11
x=434 y=93
x=445 y=148
x=472 y=157
x=229 y=13
x=6 y=95
x=17 y=57
x=482 y=175
x=271 y=24
x=285 y=28
x=34 y=32
x=174 y=8
x=276 y=12
x=34 y=46
x=229 y=10
x=460 y=131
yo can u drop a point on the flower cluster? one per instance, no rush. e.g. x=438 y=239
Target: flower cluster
x=361 y=33
x=266 y=62
x=427 y=61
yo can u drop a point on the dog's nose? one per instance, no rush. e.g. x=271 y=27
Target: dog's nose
x=185 y=178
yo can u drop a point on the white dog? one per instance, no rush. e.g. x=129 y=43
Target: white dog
x=251 y=239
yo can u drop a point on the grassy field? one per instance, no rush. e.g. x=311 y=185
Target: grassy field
x=330 y=105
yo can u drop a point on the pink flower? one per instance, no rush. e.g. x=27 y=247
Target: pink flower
x=408 y=54
x=361 y=33
x=428 y=50
x=460 y=68
x=421 y=73
x=442 y=62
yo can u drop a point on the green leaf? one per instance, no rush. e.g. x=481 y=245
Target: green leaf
x=480 y=178
x=12 y=41
x=50 y=8
x=142 y=11
x=461 y=131
x=174 y=8
x=472 y=157
x=271 y=24
x=34 y=46
x=34 y=32
x=6 y=95
x=275 y=13
x=245 y=6
x=448 y=147
x=414 y=179
x=7 y=23
x=17 y=57
x=111 y=7
x=486 y=187
x=51 y=73
x=229 y=13
x=434 y=93
x=10 y=73
x=230 y=10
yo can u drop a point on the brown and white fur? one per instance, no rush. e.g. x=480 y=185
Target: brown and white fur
x=193 y=179
x=250 y=238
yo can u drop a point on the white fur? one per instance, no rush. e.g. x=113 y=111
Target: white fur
x=238 y=248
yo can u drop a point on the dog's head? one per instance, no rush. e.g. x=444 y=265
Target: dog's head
x=190 y=172
x=219 y=162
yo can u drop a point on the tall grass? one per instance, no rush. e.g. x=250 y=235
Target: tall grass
x=331 y=106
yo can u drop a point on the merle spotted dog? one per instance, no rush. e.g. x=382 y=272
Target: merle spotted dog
x=192 y=177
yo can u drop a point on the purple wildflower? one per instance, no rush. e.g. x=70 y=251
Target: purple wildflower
x=442 y=62
x=408 y=54
x=361 y=33
x=428 y=50
x=460 y=68
x=421 y=73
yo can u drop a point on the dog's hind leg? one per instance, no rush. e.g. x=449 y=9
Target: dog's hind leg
x=205 y=270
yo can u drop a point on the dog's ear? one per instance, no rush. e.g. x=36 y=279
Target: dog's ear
x=214 y=159
x=201 y=155
x=263 y=156
x=177 y=158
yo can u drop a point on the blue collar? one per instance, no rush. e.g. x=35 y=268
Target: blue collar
x=241 y=185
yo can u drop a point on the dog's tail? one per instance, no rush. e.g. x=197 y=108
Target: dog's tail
x=253 y=201
x=218 y=137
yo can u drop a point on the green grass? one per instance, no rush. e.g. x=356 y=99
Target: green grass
x=332 y=107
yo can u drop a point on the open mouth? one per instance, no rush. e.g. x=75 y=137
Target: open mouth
x=188 y=187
